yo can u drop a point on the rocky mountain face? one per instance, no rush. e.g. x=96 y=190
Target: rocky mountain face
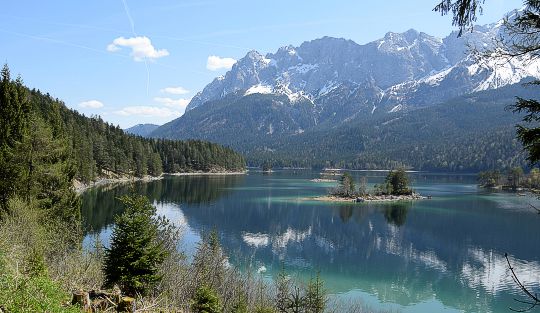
x=329 y=83
x=399 y=71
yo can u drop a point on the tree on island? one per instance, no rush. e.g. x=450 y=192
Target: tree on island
x=489 y=179
x=362 y=188
x=266 y=167
x=346 y=187
x=397 y=183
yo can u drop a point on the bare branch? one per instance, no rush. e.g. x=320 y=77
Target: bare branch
x=533 y=300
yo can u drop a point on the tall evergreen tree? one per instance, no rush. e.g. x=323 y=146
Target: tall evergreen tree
x=14 y=110
x=136 y=250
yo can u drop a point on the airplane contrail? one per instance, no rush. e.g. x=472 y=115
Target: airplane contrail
x=132 y=23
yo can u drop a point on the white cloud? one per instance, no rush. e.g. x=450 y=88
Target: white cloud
x=141 y=48
x=173 y=103
x=148 y=111
x=175 y=90
x=215 y=63
x=91 y=104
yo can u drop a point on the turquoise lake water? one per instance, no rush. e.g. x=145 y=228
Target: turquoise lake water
x=445 y=254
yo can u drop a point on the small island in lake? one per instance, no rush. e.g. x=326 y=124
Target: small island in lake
x=395 y=188
x=513 y=180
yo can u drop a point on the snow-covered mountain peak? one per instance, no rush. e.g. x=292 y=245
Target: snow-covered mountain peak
x=409 y=69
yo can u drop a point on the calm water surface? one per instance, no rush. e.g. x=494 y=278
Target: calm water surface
x=440 y=255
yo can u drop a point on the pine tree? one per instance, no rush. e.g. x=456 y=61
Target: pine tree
x=14 y=110
x=136 y=251
x=397 y=183
x=282 y=291
x=206 y=300
x=315 y=296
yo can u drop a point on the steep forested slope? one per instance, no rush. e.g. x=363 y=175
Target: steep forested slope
x=99 y=148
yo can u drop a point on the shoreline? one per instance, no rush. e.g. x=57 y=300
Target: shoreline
x=81 y=187
x=366 y=198
x=323 y=180
x=205 y=173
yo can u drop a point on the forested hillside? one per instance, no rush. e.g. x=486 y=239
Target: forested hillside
x=468 y=133
x=101 y=149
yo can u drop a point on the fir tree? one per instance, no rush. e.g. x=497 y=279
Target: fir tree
x=315 y=295
x=397 y=183
x=136 y=251
x=14 y=110
x=206 y=300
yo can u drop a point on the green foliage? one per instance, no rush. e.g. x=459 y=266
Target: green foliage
x=397 y=183
x=240 y=306
x=315 y=299
x=14 y=110
x=35 y=293
x=346 y=187
x=36 y=162
x=282 y=294
x=489 y=178
x=102 y=149
x=515 y=176
x=290 y=298
x=206 y=300
x=533 y=179
x=210 y=262
x=465 y=134
x=264 y=309
x=136 y=251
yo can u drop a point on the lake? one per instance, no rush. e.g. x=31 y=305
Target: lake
x=445 y=254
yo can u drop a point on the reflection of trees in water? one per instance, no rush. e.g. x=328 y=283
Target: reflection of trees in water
x=396 y=213
x=100 y=205
x=191 y=189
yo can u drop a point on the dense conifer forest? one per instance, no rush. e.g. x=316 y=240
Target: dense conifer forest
x=102 y=149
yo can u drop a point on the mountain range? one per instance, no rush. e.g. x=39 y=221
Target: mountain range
x=270 y=107
x=142 y=129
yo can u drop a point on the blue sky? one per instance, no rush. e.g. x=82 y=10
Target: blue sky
x=136 y=61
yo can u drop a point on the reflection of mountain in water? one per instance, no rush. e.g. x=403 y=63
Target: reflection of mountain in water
x=449 y=249
x=100 y=205
x=402 y=252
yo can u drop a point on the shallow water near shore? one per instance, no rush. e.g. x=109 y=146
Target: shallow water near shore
x=445 y=254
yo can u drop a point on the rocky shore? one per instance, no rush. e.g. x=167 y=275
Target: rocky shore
x=323 y=180
x=368 y=198
x=81 y=187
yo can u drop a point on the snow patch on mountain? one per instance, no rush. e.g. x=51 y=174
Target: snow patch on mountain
x=396 y=108
x=262 y=89
x=506 y=72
